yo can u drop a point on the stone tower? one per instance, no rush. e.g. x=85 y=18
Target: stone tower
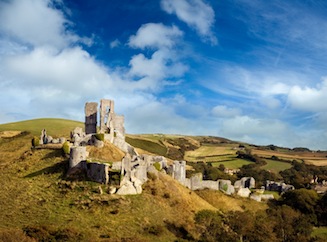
x=91 y=112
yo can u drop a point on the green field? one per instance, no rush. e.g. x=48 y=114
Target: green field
x=210 y=153
x=276 y=166
x=148 y=145
x=232 y=164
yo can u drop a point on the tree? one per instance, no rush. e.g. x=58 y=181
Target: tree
x=212 y=228
x=303 y=200
x=321 y=210
x=290 y=225
x=240 y=222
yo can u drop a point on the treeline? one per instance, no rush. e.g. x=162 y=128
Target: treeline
x=300 y=174
x=289 y=219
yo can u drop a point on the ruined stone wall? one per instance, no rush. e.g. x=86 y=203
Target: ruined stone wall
x=119 y=131
x=91 y=112
x=196 y=182
x=106 y=116
x=77 y=155
x=179 y=171
x=98 y=172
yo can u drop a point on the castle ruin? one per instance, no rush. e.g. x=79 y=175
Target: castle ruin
x=133 y=168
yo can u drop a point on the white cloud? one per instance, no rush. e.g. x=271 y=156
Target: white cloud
x=115 y=43
x=312 y=99
x=259 y=131
x=155 y=35
x=163 y=65
x=195 y=13
x=72 y=69
x=223 y=111
x=39 y=81
x=35 y=23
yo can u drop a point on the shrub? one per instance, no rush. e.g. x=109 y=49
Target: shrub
x=35 y=141
x=100 y=137
x=166 y=195
x=157 y=166
x=66 y=148
x=154 y=229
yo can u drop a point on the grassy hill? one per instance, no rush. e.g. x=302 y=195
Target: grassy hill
x=217 y=150
x=54 y=127
x=38 y=199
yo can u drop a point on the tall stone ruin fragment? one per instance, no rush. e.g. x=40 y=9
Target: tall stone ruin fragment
x=179 y=171
x=91 y=112
x=106 y=117
x=111 y=124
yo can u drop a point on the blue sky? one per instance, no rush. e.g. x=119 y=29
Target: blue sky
x=248 y=70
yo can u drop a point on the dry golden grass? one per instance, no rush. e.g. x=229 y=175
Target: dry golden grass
x=108 y=152
x=34 y=194
x=9 y=134
x=210 y=153
x=312 y=158
x=229 y=203
x=316 y=162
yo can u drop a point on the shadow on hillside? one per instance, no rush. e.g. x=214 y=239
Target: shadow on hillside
x=53 y=154
x=179 y=231
x=60 y=167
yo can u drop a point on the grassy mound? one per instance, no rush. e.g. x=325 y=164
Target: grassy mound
x=108 y=152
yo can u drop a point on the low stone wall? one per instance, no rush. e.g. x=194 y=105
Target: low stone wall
x=98 y=172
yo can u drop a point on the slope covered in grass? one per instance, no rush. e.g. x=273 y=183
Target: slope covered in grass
x=108 y=152
x=38 y=199
x=36 y=196
x=54 y=127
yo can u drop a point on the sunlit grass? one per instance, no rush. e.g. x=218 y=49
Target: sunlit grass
x=232 y=164
x=276 y=166
x=210 y=153
x=54 y=127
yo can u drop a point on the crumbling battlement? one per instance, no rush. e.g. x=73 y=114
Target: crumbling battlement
x=111 y=124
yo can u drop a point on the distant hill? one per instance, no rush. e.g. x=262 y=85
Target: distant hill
x=54 y=127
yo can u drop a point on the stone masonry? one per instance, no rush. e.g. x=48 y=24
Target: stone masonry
x=134 y=168
x=91 y=112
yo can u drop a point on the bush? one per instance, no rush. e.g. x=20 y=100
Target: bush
x=154 y=229
x=66 y=148
x=35 y=141
x=157 y=166
x=100 y=137
x=46 y=233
